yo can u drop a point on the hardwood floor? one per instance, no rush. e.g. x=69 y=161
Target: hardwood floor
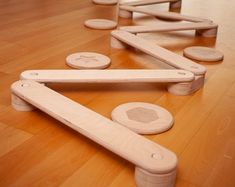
x=37 y=150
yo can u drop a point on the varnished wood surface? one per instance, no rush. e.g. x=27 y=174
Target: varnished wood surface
x=36 y=150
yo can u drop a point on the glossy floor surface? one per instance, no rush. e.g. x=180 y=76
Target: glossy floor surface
x=36 y=150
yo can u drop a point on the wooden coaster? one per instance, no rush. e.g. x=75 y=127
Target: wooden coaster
x=105 y=2
x=101 y=24
x=88 y=60
x=203 y=54
x=143 y=118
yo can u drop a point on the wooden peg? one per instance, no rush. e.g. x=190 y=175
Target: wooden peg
x=19 y=104
x=207 y=29
x=187 y=88
x=146 y=179
x=127 y=11
x=154 y=163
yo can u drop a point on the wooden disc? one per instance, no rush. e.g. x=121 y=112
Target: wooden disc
x=105 y=2
x=143 y=118
x=101 y=24
x=88 y=60
x=203 y=54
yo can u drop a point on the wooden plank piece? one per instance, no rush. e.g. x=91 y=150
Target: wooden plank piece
x=120 y=140
x=158 y=52
x=161 y=27
x=107 y=76
x=146 y=2
x=160 y=14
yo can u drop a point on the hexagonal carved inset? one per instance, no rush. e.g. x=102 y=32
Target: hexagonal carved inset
x=142 y=115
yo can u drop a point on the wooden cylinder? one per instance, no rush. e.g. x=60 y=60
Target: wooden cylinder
x=209 y=33
x=19 y=104
x=187 y=88
x=125 y=14
x=146 y=179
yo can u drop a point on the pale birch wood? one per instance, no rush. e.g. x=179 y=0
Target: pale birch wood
x=32 y=39
x=107 y=76
x=156 y=51
x=143 y=118
x=187 y=88
x=145 y=179
x=153 y=159
x=201 y=53
x=105 y=2
x=88 y=60
x=128 y=11
x=146 y=2
x=100 y=24
x=174 y=77
x=163 y=27
x=20 y=105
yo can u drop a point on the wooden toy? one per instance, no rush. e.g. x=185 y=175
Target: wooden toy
x=127 y=12
x=207 y=29
x=105 y=2
x=203 y=54
x=173 y=77
x=100 y=24
x=143 y=118
x=155 y=165
x=173 y=3
x=88 y=60
x=120 y=39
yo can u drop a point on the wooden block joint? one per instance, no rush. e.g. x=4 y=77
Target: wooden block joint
x=187 y=88
x=209 y=33
x=20 y=105
x=144 y=178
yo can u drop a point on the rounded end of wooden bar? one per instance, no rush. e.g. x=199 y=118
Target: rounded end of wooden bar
x=208 y=33
x=20 y=105
x=144 y=178
x=175 y=5
x=125 y=14
x=117 y=44
x=186 y=88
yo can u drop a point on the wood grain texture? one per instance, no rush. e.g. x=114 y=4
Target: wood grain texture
x=40 y=34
